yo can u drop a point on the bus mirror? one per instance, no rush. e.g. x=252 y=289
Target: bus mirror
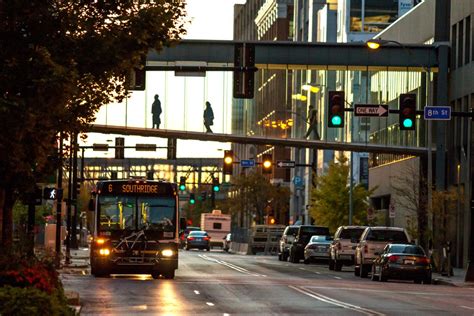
x=182 y=223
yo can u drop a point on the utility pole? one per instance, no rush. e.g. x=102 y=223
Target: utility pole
x=59 y=202
x=74 y=191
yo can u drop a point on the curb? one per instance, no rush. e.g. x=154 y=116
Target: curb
x=72 y=297
x=444 y=282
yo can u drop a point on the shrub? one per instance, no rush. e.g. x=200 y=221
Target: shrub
x=32 y=301
x=31 y=272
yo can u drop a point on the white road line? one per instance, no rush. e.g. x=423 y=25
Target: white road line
x=467 y=307
x=339 y=278
x=230 y=265
x=197 y=292
x=225 y=314
x=302 y=269
x=317 y=272
x=387 y=291
x=332 y=301
x=210 y=304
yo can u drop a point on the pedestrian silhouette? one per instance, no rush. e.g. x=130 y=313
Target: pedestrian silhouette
x=208 y=117
x=156 y=111
x=313 y=122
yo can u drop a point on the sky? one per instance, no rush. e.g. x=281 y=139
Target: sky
x=182 y=98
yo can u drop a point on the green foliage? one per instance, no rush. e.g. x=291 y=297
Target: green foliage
x=330 y=198
x=252 y=194
x=62 y=61
x=31 y=301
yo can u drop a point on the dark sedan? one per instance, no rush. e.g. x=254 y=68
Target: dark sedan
x=403 y=262
x=198 y=239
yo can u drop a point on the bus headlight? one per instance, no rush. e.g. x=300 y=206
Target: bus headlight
x=167 y=253
x=104 y=252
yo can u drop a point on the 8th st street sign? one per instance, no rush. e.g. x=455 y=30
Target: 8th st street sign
x=380 y=110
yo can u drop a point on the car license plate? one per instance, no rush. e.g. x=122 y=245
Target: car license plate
x=198 y=239
x=409 y=261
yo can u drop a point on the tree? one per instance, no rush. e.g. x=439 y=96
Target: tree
x=253 y=194
x=330 y=198
x=61 y=61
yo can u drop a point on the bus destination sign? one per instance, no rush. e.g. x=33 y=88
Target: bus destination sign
x=136 y=188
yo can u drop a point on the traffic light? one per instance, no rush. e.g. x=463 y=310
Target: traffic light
x=203 y=196
x=407 y=114
x=244 y=76
x=267 y=163
x=150 y=175
x=78 y=187
x=336 y=109
x=215 y=184
x=271 y=220
x=119 y=148
x=182 y=183
x=228 y=161
x=192 y=199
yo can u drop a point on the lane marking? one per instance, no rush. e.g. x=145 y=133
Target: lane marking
x=302 y=269
x=467 y=307
x=338 y=278
x=197 y=292
x=225 y=314
x=210 y=304
x=335 y=302
x=231 y=265
x=317 y=272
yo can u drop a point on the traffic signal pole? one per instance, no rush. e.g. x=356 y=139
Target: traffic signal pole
x=59 y=202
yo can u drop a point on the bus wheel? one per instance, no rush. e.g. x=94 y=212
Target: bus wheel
x=168 y=274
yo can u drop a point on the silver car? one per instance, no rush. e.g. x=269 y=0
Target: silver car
x=317 y=248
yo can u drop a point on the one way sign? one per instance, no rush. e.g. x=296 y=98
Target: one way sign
x=285 y=164
x=380 y=110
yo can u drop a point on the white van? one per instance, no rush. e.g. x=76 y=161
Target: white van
x=217 y=225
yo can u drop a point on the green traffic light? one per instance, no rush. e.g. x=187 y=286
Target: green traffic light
x=192 y=201
x=336 y=120
x=182 y=187
x=216 y=188
x=407 y=123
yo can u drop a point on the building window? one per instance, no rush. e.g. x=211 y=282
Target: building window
x=453 y=46
x=467 y=48
x=356 y=16
x=378 y=14
x=460 y=42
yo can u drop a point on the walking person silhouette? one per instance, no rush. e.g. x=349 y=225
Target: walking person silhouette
x=208 y=117
x=313 y=122
x=156 y=111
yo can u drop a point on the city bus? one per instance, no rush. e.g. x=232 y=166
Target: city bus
x=135 y=229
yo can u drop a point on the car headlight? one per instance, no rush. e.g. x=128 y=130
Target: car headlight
x=100 y=241
x=167 y=253
x=104 y=252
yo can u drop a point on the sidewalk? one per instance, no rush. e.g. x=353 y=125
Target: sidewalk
x=79 y=264
x=456 y=280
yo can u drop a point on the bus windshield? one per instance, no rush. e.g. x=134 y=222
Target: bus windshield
x=136 y=213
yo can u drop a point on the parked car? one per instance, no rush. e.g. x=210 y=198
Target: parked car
x=317 y=248
x=342 y=249
x=373 y=240
x=302 y=238
x=227 y=242
x=285 y=242
x=184 y=234
x=402 y=261
x=198 y=239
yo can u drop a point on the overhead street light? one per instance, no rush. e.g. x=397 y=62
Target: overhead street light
x=375 y=43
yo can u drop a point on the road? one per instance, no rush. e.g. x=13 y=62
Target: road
x=218 y=283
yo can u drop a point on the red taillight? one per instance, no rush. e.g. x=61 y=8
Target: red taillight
x=366 y=249
x=207 y=238
x=190 y=238
x=393 y=258
x=424 y=260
